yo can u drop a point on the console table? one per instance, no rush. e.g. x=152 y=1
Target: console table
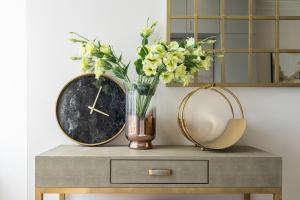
x=70 y=169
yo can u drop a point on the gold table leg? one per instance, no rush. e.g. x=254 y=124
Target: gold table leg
x=277 y=196
x=247 y=196
x=38 y=195
x=62 y=196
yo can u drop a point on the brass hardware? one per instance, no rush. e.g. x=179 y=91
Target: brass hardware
x=250 y=50
x=160 y=172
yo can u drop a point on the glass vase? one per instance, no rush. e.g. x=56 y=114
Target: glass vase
x=141 y=118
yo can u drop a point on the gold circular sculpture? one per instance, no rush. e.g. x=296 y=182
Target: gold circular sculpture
x=234 y=129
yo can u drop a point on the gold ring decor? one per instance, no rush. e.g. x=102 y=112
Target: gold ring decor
x=235 y=127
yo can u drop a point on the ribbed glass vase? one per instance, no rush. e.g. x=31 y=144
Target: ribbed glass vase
x=141 y=118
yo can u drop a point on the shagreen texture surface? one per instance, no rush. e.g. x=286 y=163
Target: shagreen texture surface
x=119 y=166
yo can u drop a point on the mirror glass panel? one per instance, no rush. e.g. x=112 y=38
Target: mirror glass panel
x=236 y=7
x=263 y=34
x=236 y=67
x=236 y=34
x=263 y=68
x=289 y=7
x=289 y=67
x=212 y=8
x=289 y=34
x=259 y=38
x=264 y=8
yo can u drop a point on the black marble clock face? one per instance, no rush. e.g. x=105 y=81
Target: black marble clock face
x=91 y=111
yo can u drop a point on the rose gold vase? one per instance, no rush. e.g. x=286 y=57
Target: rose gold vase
x=140 y=131
x=140 y=126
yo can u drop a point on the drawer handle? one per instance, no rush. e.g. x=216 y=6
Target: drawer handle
x=160 y=172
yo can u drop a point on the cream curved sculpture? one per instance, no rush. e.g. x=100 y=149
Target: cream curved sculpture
x=233 y=131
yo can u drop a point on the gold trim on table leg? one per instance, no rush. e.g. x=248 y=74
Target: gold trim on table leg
x=247 y=196
x=38 y=195
x=62 y=196
x=277 y=196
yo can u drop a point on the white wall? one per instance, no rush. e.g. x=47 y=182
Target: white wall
x=272 y=113
x=13 y=149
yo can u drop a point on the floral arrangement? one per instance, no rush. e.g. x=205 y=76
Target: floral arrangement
x=160 y=61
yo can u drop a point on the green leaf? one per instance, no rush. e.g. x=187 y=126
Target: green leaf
x=145 y=41
x=143 y=52
x=139 y=66
x=189 y=63
x=182 y=43
x=120 y=58
x=112 y=59
x=118 y=72
x=108 y=65
x=126 y=68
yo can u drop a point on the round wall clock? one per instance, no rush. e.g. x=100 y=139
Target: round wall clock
x=91 y=111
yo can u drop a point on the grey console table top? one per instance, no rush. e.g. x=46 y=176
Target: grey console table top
x=77 y=169
x=156 y=152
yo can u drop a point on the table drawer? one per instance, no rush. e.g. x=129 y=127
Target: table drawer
x=159 y=171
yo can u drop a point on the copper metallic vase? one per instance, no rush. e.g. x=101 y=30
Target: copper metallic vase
x=140 y=126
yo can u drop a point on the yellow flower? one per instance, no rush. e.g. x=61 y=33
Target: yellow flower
x=73 y=40
x=99 y=62
x=199 y=51
x=173 y=46
x=150 y=48
x=194 y=70
x=210 y=41
x=153 y=59
x=85 y=65
x=179 y=55
x=90 y=48
x=83 y=50
x=105 y=48
x=147 y=31
x=180 y=71
x=190 y=42
x=154 y=24
x=186 y=79
x=207 y=62
x=99 y=71
x=149 y=69
x=160 y=49
x=166 y=77
x=171 y=62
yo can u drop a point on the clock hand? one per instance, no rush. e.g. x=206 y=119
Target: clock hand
x=95 y=101
x=99 y=111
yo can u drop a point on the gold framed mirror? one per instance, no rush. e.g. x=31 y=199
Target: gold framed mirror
x=260 y=39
